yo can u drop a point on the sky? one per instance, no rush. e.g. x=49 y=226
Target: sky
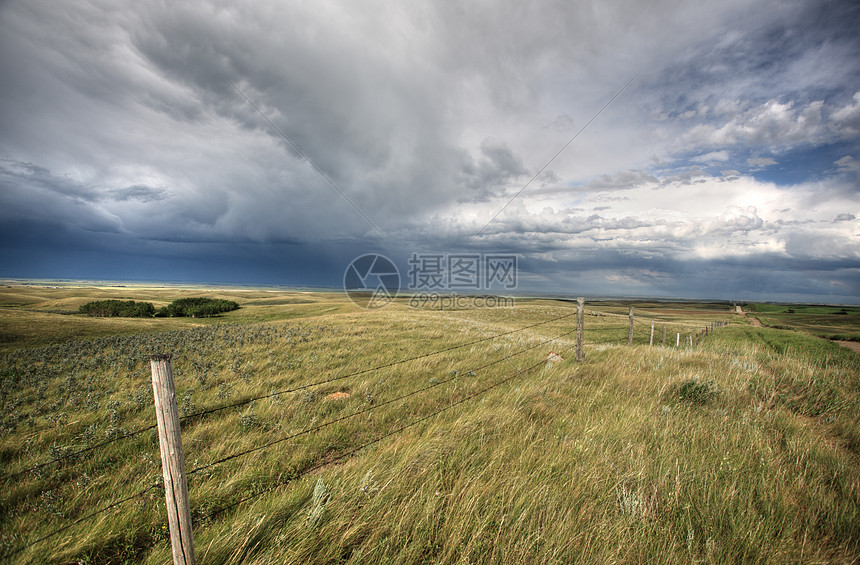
x=615 y=147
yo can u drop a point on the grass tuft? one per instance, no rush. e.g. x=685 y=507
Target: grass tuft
x=319 y=501
x=696 y=392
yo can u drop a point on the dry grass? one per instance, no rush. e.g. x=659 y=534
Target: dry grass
x=742 y=450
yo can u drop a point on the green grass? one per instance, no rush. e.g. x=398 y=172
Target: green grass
x=38 y=315
x=829 y=322
x=804 y=309
x=742 y=449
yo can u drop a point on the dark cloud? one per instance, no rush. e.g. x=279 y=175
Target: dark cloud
x=492 y=171
x=140 y=193
x=127 y=152
x=27 y=176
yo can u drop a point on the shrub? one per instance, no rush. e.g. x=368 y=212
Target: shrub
x=120 y=308
x=197 y=307
x=695 y=391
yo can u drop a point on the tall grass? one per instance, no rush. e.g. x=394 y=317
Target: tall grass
x=741 y=450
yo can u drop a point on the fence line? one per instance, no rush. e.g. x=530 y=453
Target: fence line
x=368 y=409
x=80 y=520
x=377 y=440
x=518 y=372
x=364 y=371
x=690 y=339
x=196 y=470
x=76 y=454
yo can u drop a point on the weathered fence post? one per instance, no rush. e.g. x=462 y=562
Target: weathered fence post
x=678 y=340
x=664 y=335
x=630 y=331
x=651 y=343
x=172 y=461
x=580 y=315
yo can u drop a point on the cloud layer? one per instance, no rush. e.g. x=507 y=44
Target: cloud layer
x=727 y=167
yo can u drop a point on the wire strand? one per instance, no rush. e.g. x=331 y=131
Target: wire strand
x=191 y=417
x=374 y=441
x=80 y=520
x=518 y=372
x=365 y=410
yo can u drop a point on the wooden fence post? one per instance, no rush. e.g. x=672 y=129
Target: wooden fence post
x=678 y=340
x=630 y=331
x=651 y=343
x=580 y=315
x=172 y=461
x=664 y=335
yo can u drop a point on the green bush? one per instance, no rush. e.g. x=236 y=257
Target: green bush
x=121 y=308
x=695 y=391
x=197 y=307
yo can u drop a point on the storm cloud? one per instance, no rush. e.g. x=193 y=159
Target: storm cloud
x=144 y=140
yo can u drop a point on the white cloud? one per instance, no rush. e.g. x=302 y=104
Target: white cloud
x=774 y=124
x=848 y=164
x=621 y=181
x=734 y=219
x=727 y=107
x=759 y=163
x=722 y=155
x=677 y=219
x=847 y=119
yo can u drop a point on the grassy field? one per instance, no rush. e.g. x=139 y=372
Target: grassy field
x=744 y=448
x=829 y=322
x=38 y=315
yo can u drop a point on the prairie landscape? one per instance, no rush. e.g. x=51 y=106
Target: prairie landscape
x=303 y=162
x=318 y=432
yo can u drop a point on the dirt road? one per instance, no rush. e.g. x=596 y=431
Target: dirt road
x=754 y=321
x=852 y=345
x=855 y=345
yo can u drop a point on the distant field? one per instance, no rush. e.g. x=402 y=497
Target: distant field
x=829 y=322
x=805 y=309
x=318 y=432
x=34 y=315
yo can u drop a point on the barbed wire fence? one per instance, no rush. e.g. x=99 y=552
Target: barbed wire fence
x=598 y=337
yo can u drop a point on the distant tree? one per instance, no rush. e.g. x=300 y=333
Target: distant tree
x=118 y=308
x=197 y=307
